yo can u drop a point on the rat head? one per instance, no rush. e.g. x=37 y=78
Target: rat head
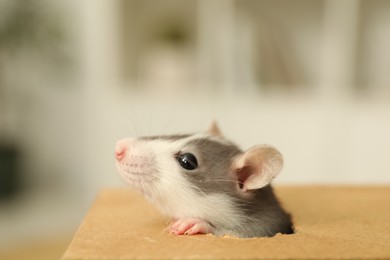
x=177 y=166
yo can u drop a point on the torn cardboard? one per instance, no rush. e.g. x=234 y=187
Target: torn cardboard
x=330 y=222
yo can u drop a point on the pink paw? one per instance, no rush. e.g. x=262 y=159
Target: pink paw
x=190 y=226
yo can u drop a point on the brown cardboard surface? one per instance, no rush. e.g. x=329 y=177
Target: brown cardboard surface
x=330 y=222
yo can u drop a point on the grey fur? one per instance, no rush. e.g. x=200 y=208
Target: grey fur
x=165 y=137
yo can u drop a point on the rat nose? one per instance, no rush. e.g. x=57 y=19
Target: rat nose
x=120 y=153
x=121 y=148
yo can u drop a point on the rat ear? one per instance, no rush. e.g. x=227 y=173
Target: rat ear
x=214 y=129
x=257 y=167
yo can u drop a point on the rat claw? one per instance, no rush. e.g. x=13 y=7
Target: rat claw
x=172 y=228
x=198 y=228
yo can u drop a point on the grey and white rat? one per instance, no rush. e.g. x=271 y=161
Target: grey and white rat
x=206 y=184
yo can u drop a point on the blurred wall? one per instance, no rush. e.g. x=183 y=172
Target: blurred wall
x=302 y=89
x=309 y=77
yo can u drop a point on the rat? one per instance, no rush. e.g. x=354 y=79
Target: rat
x=206 y=184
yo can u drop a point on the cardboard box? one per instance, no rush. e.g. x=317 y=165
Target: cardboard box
x=330 y=223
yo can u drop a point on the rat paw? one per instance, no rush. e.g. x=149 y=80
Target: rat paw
x=190 y=226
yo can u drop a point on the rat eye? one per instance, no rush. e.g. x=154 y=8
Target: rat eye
x=187 y=161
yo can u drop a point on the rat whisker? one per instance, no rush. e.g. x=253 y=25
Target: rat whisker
x=228 y=181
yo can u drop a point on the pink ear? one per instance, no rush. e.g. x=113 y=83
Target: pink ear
x=214 y=129
x=257 y=167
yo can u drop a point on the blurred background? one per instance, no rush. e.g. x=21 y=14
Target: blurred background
x=309 y=77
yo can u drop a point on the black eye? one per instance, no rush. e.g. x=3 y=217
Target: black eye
x=187 y=161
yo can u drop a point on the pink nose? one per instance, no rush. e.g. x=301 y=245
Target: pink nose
x=122 y=147
x=120 y=152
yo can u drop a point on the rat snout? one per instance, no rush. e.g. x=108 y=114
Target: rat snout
x=134 y=162
x=121 y=148
x=120 y=153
